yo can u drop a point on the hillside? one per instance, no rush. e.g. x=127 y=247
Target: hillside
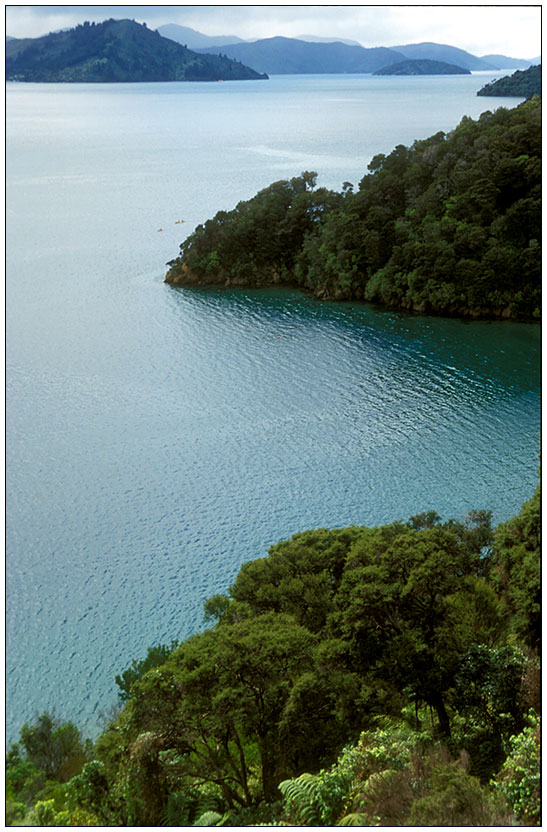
x=116 y=50
x=442 y=52
x=422 y=67
x=525 y=83
x=451 y=225
x=281 y=56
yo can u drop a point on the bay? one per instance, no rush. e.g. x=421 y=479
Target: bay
x=157 y=438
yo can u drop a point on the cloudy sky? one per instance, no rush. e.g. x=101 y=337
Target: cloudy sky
x=509 y=29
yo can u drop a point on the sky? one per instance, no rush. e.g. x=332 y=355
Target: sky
x=491 y=28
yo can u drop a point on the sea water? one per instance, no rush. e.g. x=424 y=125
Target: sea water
x=158 y=438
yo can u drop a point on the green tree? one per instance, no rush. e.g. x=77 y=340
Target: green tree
x=516 y=572
x=519 y=780
x=54 y=747
x=410 y=603
x=220 y=707
x=155 y=656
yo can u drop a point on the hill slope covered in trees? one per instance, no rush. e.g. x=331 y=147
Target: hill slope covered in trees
x=357 y=676
x=116 y=50
x=526 y=82
x=451 y=225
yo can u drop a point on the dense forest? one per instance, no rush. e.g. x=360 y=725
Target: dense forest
x=525 y=83
x=352 y=677
x=116 y=50
x=450 y=225
x=422 y=67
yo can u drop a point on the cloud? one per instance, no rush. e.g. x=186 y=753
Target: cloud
x=509 y=29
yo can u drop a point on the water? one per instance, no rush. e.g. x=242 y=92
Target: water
x=157 y=438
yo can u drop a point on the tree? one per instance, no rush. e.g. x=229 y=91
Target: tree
x=519 y=780
x=222 y=705
x=410 y=604
x=516 y=570
x=155 y=656
x=54 y=747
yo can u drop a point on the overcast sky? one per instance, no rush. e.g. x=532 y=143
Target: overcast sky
x=508 y=29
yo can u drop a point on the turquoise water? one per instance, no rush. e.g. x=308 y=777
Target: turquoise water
x=157 y=438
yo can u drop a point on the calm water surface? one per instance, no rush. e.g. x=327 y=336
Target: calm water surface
x=157 y=438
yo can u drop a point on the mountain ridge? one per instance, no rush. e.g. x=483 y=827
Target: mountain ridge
x=283 y=56
x=443 y=52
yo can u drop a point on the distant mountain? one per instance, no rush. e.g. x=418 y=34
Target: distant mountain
x=317 y=39
x=535 y=61
x=194 y=39
x=9 y=37
x=281 y=56
x=522 y=83
x=116 y=50
x=442 y=52
x=423 y=67
x=503 y=62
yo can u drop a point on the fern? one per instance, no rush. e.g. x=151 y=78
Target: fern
x=184 y=808
x=302 y=795
x=358 y=819
x=210 y=819
x=179 y=807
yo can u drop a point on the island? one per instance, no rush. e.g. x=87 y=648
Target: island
x=448 y=226
x=115 y=51
x=522 y=83
x=422 y=67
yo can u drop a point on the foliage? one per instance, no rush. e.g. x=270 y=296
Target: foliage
x=90 y=792
x=526 y=82
x=490 y=697
x=54 y=747
x=318 y=800
x=519 y=780
x=393 y=777
x=451 y=225
x=155 y=656
x=454 y=799
x=516 y=573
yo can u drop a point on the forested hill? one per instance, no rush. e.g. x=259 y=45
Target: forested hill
x=451 y=225
x=116 y=50
x=524 y=83
x=422 y=67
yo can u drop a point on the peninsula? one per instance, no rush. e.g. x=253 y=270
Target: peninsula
x=525 y=83
x=449 y=226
